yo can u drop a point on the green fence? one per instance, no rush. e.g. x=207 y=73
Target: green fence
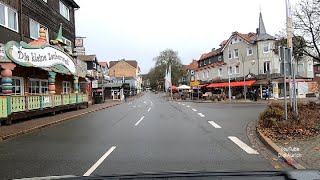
x=46 y=101
x=18 y=103
x=33 y=102
x=57 y=100
x=73 y=98
x=66 y=99
x=3 y=107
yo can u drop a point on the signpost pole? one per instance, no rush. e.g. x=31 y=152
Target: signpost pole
x=285 y=83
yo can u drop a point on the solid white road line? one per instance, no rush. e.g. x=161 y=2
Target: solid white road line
x=194 y=110
x=94 y=167
x=242 y=145
x=149 y=109
x=139 y=121
x=188 y=106
x=214 y=124
x=201 y=115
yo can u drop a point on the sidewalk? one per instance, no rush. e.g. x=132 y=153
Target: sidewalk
x=305 y=152
x=27 y=126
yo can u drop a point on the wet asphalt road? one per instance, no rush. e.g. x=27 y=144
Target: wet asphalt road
x=148 y=134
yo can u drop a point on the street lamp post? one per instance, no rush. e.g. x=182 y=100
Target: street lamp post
x=229 y=94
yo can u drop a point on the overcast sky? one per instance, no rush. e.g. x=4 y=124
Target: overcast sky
x=140 y=29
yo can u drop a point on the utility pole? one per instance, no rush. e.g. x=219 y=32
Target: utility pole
x=229 y=93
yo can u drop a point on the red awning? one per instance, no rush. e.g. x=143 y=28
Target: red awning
x=232 y=84
x=203 y=85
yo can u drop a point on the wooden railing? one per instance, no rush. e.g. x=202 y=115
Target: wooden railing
x=14 y=104
x=34 y=102
x=18 y=103
x=3 y=107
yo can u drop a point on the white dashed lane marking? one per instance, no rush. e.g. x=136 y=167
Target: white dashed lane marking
x=242 y=145
x=201 y=115
x=194 y=110
x=139 y=121
x=214 y=124
x=149 y=109
x=94 y=167
x=188 y=106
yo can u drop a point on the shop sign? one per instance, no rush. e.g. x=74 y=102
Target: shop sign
x=44 y=56
x=194 y=83
x=2 y=53
x=95 y=84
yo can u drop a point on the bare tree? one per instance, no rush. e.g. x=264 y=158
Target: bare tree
x=307 y=26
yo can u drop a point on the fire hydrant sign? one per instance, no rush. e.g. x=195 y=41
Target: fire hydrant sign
x=45 y=56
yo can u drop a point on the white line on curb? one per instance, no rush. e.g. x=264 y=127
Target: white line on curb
x=139 y=121
x=194 y=110
x=94 y=167
x=214 y=124
x=242 y=145
x=201 y=115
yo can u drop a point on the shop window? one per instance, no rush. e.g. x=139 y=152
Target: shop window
x=64 y=10
x=66 y=87
x=34 y=27
x=37 y=86
x=8 y=17
x=17 y=86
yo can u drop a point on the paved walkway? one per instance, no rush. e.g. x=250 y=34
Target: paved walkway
x=305 y=152
x=37 y=123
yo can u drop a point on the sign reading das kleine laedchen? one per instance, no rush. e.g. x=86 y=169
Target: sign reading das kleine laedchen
x=45 y=56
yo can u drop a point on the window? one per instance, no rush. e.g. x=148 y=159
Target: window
x=37 y=86
x=230 y=54
x=35 y=28
x=249 y=51
x=310 y=67
x=219 y=58
x=64 y=11
x=197 y=76
x=300 y=67
x=66 y=87
x=208 y=74
x=236 y=53
x=8 y=17
x=67 y=42
x=237 y=70
x=94 y=65
x=266 y=47
x=266 y=66
x=230 y=70
x=17 y=86
x=220 y=72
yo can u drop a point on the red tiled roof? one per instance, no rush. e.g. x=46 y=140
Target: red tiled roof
x=210 y=54
x=103 y=64
x=249 y=37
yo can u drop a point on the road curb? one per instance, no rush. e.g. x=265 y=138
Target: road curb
x=219 y=102
x=5 y=137
x=268 y=142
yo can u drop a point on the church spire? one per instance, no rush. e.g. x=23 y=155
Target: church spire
x=262 y=28
x=261 y=31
